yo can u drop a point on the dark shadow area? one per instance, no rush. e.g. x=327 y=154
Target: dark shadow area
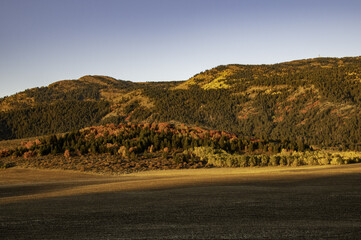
x=26 y=189
x=309 y=208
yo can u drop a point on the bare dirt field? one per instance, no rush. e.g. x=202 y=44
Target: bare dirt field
x=322 y=202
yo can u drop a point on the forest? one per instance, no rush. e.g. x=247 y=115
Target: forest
x=61 y=116
x=126 y=148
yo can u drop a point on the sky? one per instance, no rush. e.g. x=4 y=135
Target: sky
x=44 y=41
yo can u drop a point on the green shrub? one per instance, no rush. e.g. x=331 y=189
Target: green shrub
x=275 y=160
x=243 y=161
x=265 y=160
x=252 y=161
x=282 y=161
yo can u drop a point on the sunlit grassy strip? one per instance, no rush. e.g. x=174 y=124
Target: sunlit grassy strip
x=221 y=158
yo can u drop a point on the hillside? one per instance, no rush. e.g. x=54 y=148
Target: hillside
x=314 y=101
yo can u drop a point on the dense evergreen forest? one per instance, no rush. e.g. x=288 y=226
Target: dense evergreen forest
x=61 y=116
x=314 y=101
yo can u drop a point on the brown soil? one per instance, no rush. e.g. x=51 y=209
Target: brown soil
x=322 y=202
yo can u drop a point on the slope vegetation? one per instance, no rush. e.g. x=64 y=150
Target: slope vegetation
x=315 y=101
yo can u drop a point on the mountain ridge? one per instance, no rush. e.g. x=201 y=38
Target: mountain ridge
x=316 y=100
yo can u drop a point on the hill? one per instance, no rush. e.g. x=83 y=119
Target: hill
x=314 y=101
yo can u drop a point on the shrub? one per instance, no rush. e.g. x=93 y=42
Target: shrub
x=4 y=153
x=323 y=161
x=275 y=160
x=310 y=160
x=243 y=161
x=282 y=161
x=265 y=160
x=289 y=160
x=29 y=154
x=229 y=162
x=7 y=165
x=179 y=158
x=253 y=161
x=67 y=153
x=296 y=162
x=337 y=160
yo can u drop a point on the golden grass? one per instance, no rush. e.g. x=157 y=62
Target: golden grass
x=85 y=183
x=12 y=102
x=112 y=94
x=210 y=79
x=98 y=79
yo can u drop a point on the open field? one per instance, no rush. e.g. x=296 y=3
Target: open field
x=313 y=202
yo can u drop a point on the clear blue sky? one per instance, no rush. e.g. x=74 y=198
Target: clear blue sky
x=43 y=41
